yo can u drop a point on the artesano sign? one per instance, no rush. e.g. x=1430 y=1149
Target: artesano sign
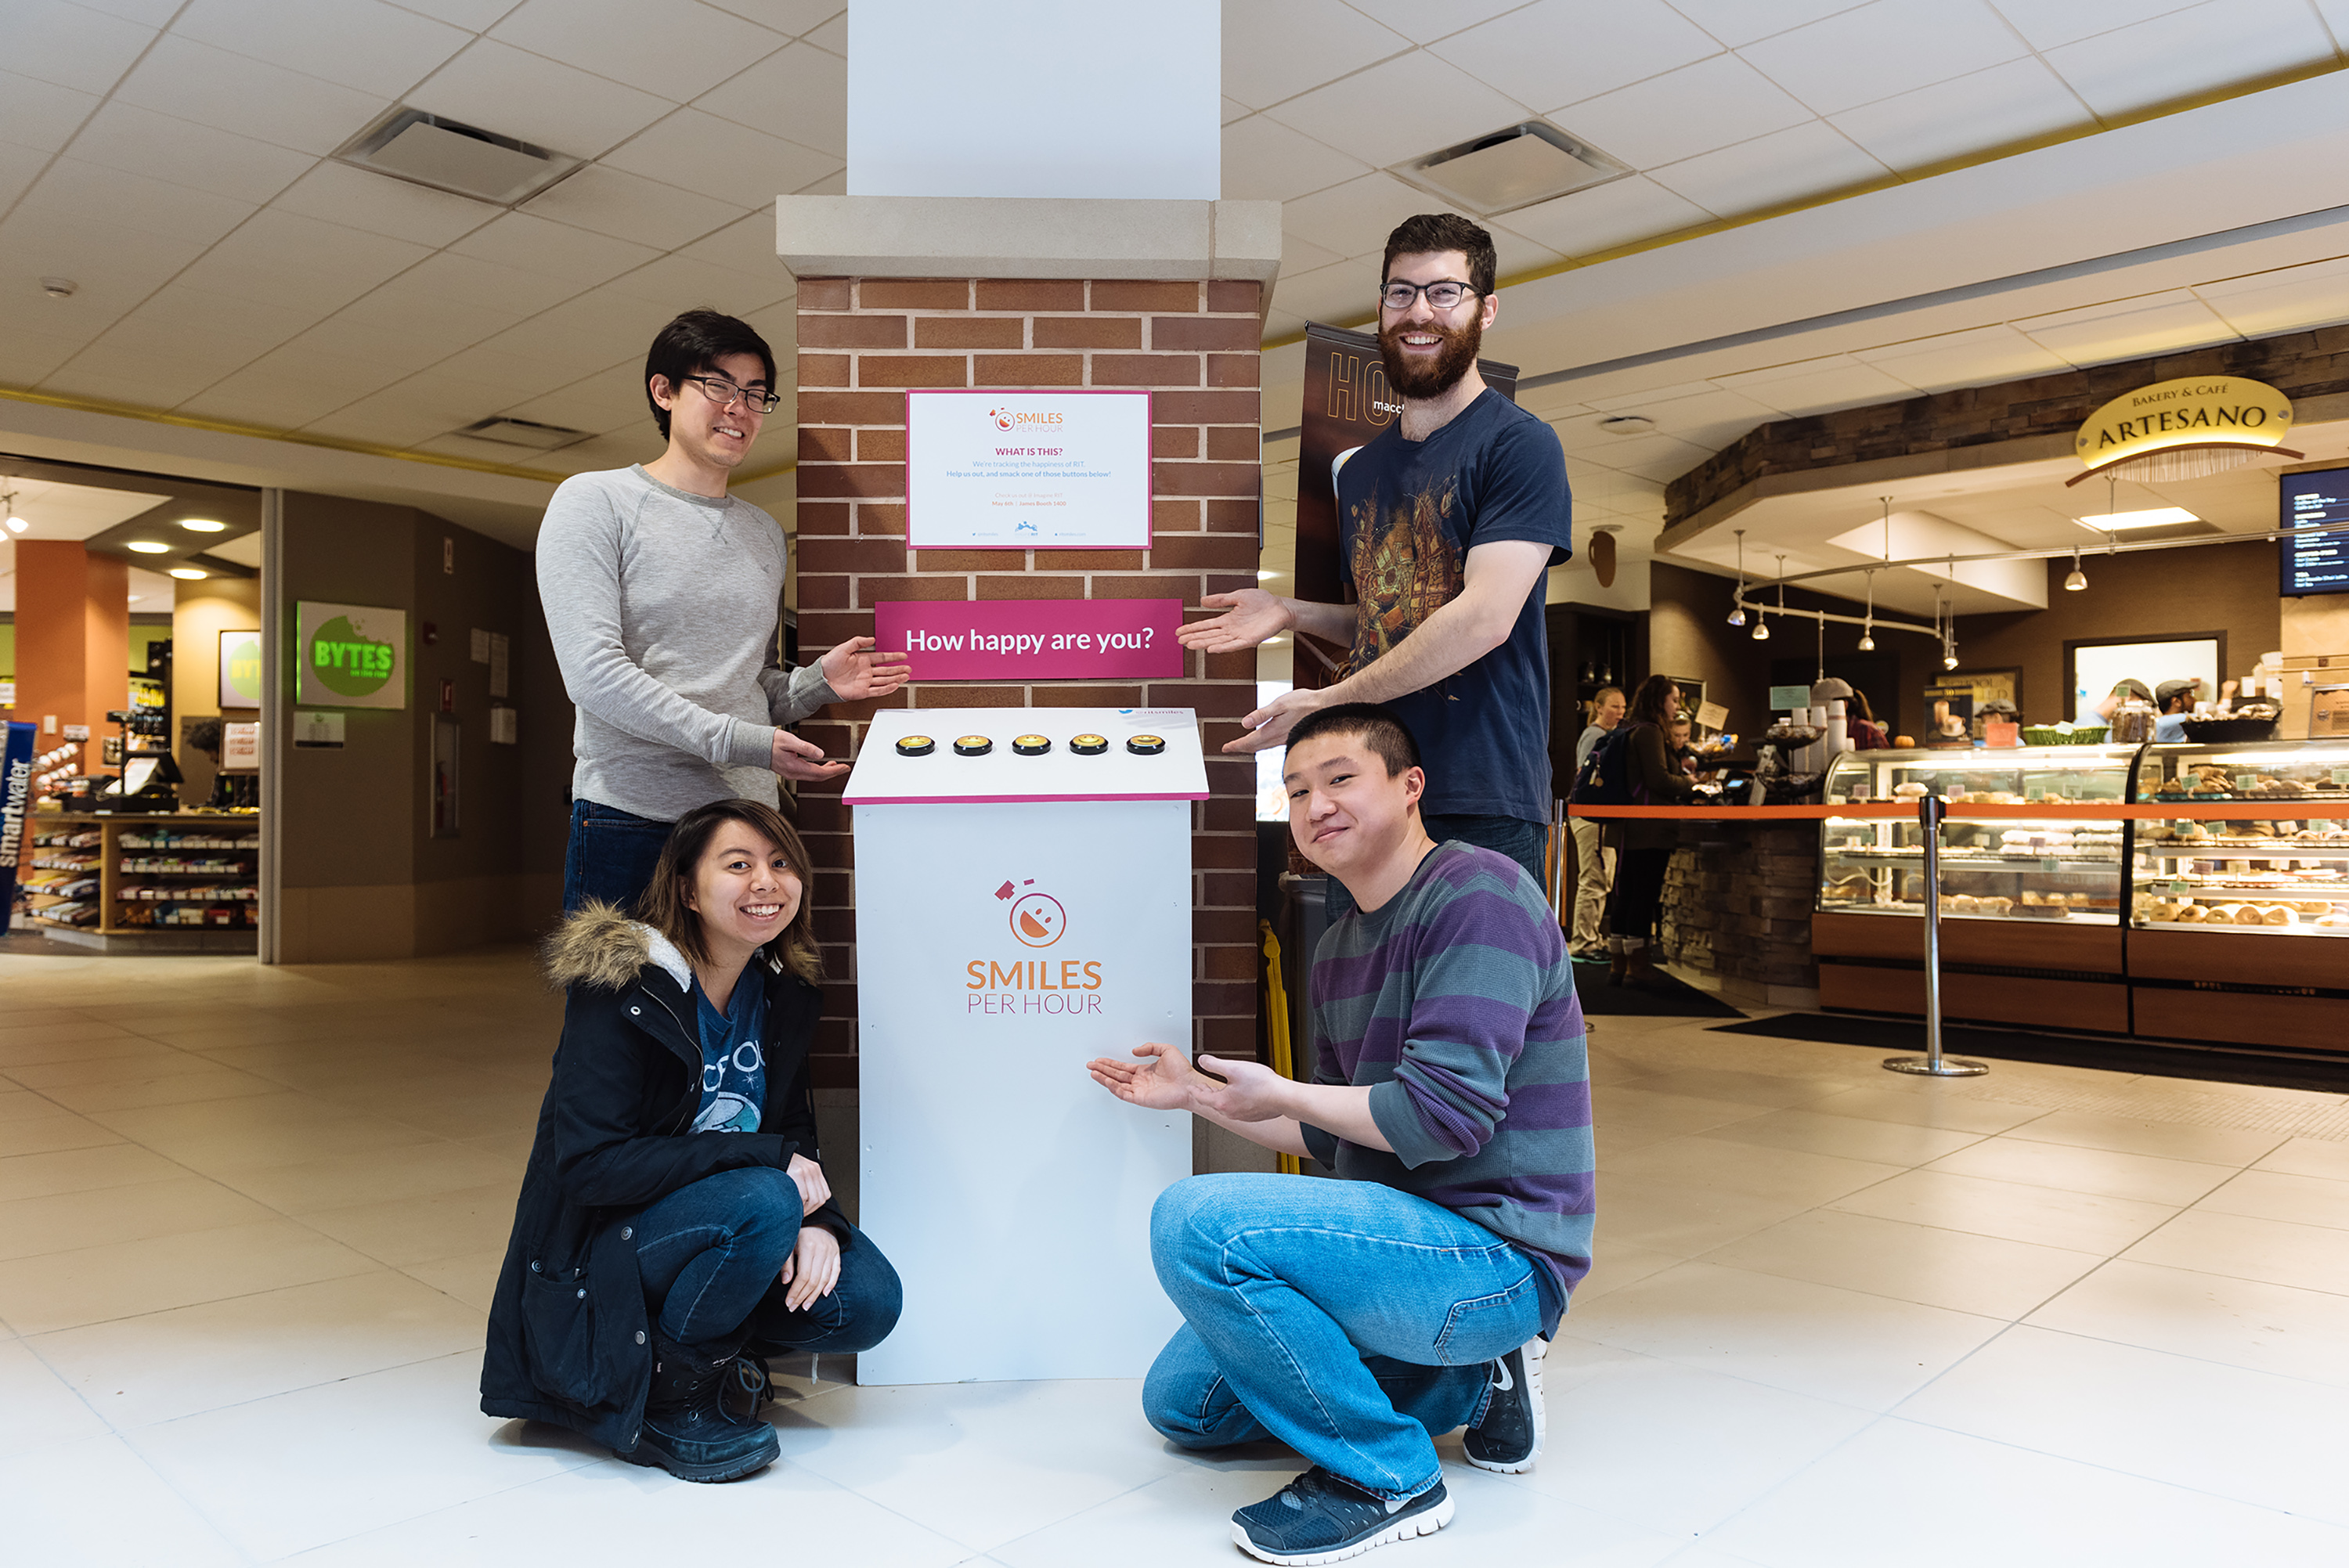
x=2195 y=411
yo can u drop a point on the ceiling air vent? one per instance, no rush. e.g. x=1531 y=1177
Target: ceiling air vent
x=522 y=433
x=1510 y=169
x=464 y=159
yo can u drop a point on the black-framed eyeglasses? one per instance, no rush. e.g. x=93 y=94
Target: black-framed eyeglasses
x=1443 y=295
x=723 y=393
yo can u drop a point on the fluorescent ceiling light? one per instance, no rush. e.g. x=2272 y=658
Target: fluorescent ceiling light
x=148 y=547
x=2152 y=517
x=203 y=525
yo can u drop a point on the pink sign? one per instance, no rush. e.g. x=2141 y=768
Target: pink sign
x=1033 y=639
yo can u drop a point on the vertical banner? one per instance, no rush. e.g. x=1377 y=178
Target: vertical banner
x=15 y=812
x=1347 y=402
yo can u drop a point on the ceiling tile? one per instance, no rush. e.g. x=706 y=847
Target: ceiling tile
x=73 y=189
x=146 y=13
x=1302 y=255
x=71 y=45
x=490 y=285
x=2212 y=46
x=133 y=377
x=1740 y=22
x=178 y=307
x=361 y=44
x=1424 y=104
x=40 y=115
x=534 y=244
x=279 y=255
x=1264 y=161
x=1655 y=456
x=1340 y=293
x=1274 y=52
x=1616 y=213
x=2048 y=23
x=1711 y=417
x=1562 y=51
x=747 y=245
x=800 y=94
x=1233 y=109
x=2288 y=299
x=524 y=96
x=1890 y=46
x=212 y=86
x=1976 y=358
x=1425 y=21
x=28 y=357
x=19 y=167
x=381 y=423
x=473 y=16
x=678 y=49
x=140 y=141
x=1817 y=385
x=832 y=35
x=140 y=333
x=2006 y=104
x=619 y=451
x=369 y=330
x=676 y=281
x=1681 y=113
x=114 y=267
x=1355 y=217
x=832 y=184
x=1807 y=159
x=610 y=400
x=287 y=388
x=2128 y=329
x=720 y=159
x=629 y=206
x=361 y=198
x=789 y=17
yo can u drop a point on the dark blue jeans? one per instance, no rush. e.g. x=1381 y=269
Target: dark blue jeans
x=611 y=855
x=710 y=1254
x=1521 y=841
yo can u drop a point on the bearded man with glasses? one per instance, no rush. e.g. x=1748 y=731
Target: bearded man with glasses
x=1449 y=520
x=662 y=595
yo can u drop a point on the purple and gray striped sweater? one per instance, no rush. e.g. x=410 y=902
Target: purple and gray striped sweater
x=1455 y=1002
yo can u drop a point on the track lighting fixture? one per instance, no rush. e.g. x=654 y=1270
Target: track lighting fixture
x=1868 y=626
x=1737 y=606
x=1760 y=629
x=2078 y=579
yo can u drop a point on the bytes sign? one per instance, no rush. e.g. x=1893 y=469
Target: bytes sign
x=350 y=655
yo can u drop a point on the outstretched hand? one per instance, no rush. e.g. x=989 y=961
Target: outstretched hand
x=1250 y=616
x=1163 y=1080
x=1251 y=1091
x=858 y=671
x=1269 y=725
x=802 y=760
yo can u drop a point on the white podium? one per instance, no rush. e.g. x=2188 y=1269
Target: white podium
x=1018 y=914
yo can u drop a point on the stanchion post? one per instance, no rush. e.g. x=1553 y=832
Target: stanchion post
x=1558 y=840
x=1930 y=809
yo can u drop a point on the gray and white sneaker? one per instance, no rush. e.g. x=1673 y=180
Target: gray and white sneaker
x=1323 y=1518
x=1509 y=1438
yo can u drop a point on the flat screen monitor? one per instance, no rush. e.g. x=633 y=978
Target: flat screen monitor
x=2314 y=562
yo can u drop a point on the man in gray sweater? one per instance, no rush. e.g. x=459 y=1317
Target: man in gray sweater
x=662 y=594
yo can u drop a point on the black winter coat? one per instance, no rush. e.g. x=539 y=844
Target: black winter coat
x=569 y=1334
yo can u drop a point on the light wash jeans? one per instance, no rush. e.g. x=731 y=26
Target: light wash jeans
x=1349 y=1320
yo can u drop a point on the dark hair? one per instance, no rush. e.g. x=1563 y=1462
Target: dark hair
x=662 y=905
x=1432 y=232
x=1381 y=731
x=697 y=341
x=1856 y=705
x=1648 y=702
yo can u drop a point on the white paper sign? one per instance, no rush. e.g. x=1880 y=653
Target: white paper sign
x=240 y=748
x=1023 y=470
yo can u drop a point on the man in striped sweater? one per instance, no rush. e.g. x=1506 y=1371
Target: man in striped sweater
x=1356 y=1320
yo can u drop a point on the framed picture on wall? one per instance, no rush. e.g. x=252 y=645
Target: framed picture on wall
x=1968 y=691
x=240 y=669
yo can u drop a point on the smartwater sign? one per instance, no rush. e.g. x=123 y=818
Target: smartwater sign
x=350 y=655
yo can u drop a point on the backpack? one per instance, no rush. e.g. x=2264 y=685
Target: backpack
x=1606 y=776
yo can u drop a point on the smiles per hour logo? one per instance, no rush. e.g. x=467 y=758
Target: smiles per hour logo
x=1002 y=417
x=1036 y=918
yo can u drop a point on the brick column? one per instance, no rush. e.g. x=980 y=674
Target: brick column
x=863 y=341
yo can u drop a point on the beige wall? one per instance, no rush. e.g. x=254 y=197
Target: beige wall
x=200 y=611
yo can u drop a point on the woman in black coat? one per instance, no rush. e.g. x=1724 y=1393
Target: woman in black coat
x=675 y=1225
x=1655 y=781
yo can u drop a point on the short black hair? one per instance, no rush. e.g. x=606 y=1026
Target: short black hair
x=697 y=341
x=1432 y=232
x=1381 y=731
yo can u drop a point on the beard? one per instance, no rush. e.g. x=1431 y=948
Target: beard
x=1420 y=377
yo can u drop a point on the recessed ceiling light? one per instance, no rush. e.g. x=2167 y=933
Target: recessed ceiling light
x=190 y=573
x=203 y=525
x=1627 y=425
x=59 y=288
x=2152 y=517
x=148 y=547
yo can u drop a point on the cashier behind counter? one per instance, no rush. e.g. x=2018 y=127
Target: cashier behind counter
x=2173 y=701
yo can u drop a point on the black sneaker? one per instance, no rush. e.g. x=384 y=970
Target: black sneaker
x=1509 y=1438
x=1318 y=1518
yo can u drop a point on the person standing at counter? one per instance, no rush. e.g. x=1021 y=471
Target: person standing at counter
x=1449 y=520
x=662 y=594
x=2172 y=701
x=1593 y=875
x=1647 y=846
x=1358 y=1320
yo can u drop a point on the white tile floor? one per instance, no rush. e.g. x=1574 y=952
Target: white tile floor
x=249 y=1220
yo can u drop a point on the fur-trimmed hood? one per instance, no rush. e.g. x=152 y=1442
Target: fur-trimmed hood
x=601 y=946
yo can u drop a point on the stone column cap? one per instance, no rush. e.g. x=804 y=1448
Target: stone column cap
x=1026 y=237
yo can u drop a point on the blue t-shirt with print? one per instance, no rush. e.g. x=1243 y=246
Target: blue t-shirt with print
x=733 y=1058
x=1408 y=515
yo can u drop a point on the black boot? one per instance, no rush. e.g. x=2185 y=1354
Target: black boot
x=687 y=1431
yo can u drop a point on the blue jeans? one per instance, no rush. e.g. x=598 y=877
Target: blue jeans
x=1347 y=1319
x=1521 y=841
x=710 y=1253
x=611 y=855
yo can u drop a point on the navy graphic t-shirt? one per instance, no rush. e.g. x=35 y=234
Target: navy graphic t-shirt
x=733 y=1058
x=1408 y=515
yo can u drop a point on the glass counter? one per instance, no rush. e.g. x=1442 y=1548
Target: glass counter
x=2263 y=876
x=2042 y=870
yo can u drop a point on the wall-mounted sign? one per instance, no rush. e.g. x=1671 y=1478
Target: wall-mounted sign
x=1033 y=639
x=350 y=655
x=2211 y=414
x=240 y=748
x=1028 y=470
x=240 y=669
x=315 y=730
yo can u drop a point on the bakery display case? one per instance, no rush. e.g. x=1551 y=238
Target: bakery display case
x=2032 y=906
x=2234 y=922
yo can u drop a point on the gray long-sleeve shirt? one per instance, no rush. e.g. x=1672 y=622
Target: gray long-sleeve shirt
x=662 y=606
